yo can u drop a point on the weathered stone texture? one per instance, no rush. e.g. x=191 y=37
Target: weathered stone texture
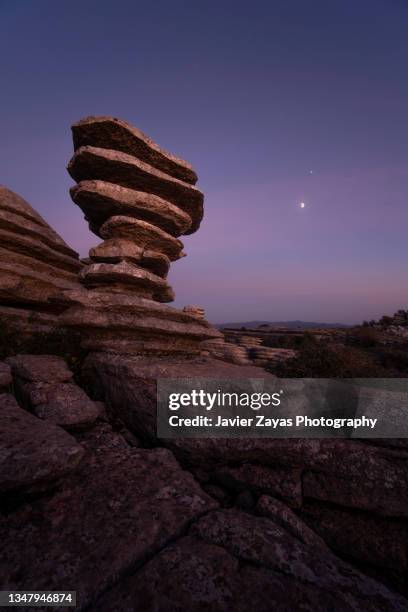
x=36 y=267
x=45 y=386
x=100 y=200
x=40 y=368
x=125 y=323
x=121 y=507
x=94 y=163
x=33 y=453
x=284 y=483
x=113 y=133
x=233 y=561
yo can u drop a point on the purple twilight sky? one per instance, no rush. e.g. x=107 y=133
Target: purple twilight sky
x=256 y=96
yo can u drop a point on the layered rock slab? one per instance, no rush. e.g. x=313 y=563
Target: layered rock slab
x=36 y=267
x=131 y=246
x=143 y=234
x=116 y=250
x=100 y=200
x=124 y=278
x=94 y=163
x=23 y=323
x=17 y=214
x=125 y=324
x=122 y=506
x=112 y=133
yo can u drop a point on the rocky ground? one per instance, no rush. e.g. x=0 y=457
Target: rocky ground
x=91 y=501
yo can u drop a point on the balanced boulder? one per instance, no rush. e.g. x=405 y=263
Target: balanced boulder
x=139 y=199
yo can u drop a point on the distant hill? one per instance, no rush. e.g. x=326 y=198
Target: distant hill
x=290 y=324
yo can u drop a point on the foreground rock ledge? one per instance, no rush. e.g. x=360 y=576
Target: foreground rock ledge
x=121 y=508
x=234 y=561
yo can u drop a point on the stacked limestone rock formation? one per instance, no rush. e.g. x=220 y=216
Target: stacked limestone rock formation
x=36 y=268
x=139 y=199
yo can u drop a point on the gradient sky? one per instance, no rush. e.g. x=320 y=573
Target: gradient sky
x=255 y=95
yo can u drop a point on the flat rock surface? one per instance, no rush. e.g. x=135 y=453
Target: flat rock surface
x=130 y=385
x=122 y=304
x=100 y=200
x=122 y=323
x=32 y=452
x=234 y=561
x=122 y=507
x=40 y=368
x=93 y=163
x=112 y=133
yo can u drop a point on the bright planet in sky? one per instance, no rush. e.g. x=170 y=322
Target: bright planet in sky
x=302 y=205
